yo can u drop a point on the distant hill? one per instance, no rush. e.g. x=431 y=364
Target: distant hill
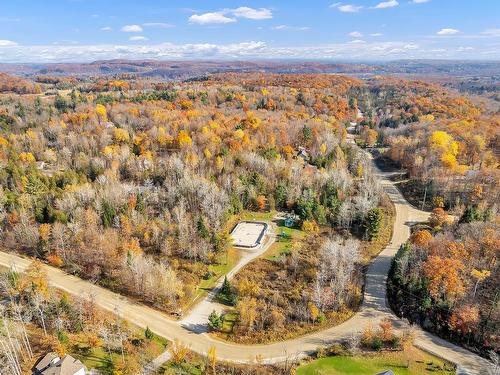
x=187 y=69
x=9 y=83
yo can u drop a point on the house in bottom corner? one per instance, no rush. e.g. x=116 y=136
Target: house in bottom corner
x=52 y=364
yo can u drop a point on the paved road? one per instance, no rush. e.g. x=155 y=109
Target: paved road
x=373 y=309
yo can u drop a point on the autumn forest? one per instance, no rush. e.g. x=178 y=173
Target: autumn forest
x=136 y=183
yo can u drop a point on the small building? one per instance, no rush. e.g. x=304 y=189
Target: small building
x=52 y=364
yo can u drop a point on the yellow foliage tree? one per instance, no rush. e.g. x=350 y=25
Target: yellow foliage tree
x=322 y=148
x=219 y=163
x=313 y=311
x=101 y=112
x=183 y=139
x=120 y=135
x=207 y=153
x=310 y=226
x=26 y=157
x=239 y=133
x=248 y=288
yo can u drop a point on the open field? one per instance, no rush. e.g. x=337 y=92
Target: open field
x=420 y=363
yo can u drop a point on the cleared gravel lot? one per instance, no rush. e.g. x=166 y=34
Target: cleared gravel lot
x=248 y=234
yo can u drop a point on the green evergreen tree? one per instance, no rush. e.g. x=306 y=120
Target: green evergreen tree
x=373 y=223
x=226 y=287
x=149 y=334
x=202 y=228
x=215 y=320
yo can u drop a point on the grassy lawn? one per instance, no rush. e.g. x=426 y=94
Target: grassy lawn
x=284 y=242
x=421 y=363
x=250 y=215
x=98 y=358
x=217 y=270
x=93 y=358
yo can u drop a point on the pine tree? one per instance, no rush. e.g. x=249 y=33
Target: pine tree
x=149 y=334
x=373 y=223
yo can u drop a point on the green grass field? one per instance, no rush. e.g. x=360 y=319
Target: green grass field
x=218 y=270
x=420 y=364
x=283 y=245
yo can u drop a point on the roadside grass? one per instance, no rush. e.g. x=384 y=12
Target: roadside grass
x=216 y=271
x=420 y=363
x=370 y=249
x=230 y=319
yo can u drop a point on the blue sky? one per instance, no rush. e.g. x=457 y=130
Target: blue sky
x=351 y=30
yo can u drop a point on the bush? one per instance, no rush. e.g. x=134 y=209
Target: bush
x=337 y=349
x=377 y=344
x=149 y=334
x=215 y=320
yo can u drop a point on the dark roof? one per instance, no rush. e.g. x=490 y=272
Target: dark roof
x=388 y=372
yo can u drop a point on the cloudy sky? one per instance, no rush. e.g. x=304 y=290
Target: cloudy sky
x=351 y=30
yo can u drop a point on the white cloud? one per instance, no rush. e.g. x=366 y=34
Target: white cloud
x=160 y=25
x=7 y=43
x=210 y=18
x=387 y=4
x=106 y=28
x=251 y=13
x=464 y=49
x=447 y=31
x=354 y=51
x=294 y=28
x=349 y=8
x=230 y=15
x=355 y=34
x=357 y=41
x=491 y=32
x=376 y=34
x=137 y=38
x=420 y=1
x=131 y=29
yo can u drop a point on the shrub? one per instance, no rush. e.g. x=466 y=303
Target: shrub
x=149 y=334
x=377 y=344
x=337 y=349
x=215 y=320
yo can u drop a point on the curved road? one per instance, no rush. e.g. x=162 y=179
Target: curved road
x=373 y=309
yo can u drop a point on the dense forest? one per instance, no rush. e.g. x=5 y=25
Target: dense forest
x=133 y=189
x=135 y=184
